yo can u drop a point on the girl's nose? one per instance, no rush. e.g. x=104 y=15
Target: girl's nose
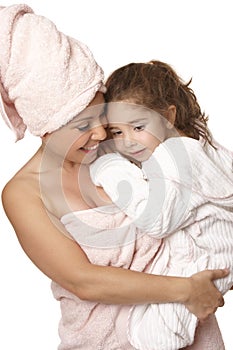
x=128 y=141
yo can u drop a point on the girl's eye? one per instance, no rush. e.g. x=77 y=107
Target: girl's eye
x=139 y=127
x=83 y=127
x=116 y=133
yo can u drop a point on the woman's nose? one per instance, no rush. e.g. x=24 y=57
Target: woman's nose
x=99 y=133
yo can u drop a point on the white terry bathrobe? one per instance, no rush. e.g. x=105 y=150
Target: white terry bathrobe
x=183 y=194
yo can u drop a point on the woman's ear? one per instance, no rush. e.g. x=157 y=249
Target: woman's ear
x=171 y=116
x=45 y=137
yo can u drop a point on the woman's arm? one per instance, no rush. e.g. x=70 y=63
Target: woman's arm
x=62 y=260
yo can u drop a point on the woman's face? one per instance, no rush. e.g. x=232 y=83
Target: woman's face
x=78 y=141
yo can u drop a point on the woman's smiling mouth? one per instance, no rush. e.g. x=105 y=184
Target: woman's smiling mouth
x=90 y=148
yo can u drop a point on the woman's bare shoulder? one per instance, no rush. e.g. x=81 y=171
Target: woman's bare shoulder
x=24 y=185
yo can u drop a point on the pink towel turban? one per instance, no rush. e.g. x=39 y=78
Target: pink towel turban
x=46 y=77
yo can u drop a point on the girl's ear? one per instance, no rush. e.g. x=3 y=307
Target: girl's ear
x=171 y=116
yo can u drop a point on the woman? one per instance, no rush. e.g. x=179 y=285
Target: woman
x=47 y=81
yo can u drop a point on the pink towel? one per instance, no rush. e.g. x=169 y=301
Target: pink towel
x=89 y=325
x=46 y=77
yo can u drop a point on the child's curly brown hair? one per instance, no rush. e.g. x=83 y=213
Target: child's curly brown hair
x=156 y=85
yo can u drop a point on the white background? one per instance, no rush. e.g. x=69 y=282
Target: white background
x=195 y=37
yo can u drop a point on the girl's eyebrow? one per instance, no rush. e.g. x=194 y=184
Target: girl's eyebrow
x=129 y=122
x=138 y=120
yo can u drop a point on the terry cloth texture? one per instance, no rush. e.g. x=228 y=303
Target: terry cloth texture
x=46 y=77
x=90 y=325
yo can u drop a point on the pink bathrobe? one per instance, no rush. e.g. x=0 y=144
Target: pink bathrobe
x=90 y=325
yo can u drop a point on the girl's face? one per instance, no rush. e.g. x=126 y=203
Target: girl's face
x=78 y=141
x=136 y=130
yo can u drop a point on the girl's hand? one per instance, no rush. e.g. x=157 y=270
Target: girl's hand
x=204 y=297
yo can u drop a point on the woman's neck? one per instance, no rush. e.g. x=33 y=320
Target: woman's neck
x=51 y=161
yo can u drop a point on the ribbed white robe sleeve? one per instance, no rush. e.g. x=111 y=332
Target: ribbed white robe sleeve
x=156 y=204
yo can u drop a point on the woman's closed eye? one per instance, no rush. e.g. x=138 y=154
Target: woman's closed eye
x=91 y=122
x=83 y=127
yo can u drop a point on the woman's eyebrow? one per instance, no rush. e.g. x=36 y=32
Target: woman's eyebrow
x=74 y=120
x=90 y=117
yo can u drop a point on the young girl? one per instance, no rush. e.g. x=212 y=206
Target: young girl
x=51 y=84
x=183 y=192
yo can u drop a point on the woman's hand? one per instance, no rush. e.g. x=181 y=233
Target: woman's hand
x=205 y=298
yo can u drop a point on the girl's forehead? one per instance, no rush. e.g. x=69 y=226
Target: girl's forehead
x=124 y=108
x=128 y=112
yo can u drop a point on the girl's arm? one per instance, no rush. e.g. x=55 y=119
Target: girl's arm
x=63 y=261
x=157 y=205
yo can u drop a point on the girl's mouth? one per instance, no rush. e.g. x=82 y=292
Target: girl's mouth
x=137 y=153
